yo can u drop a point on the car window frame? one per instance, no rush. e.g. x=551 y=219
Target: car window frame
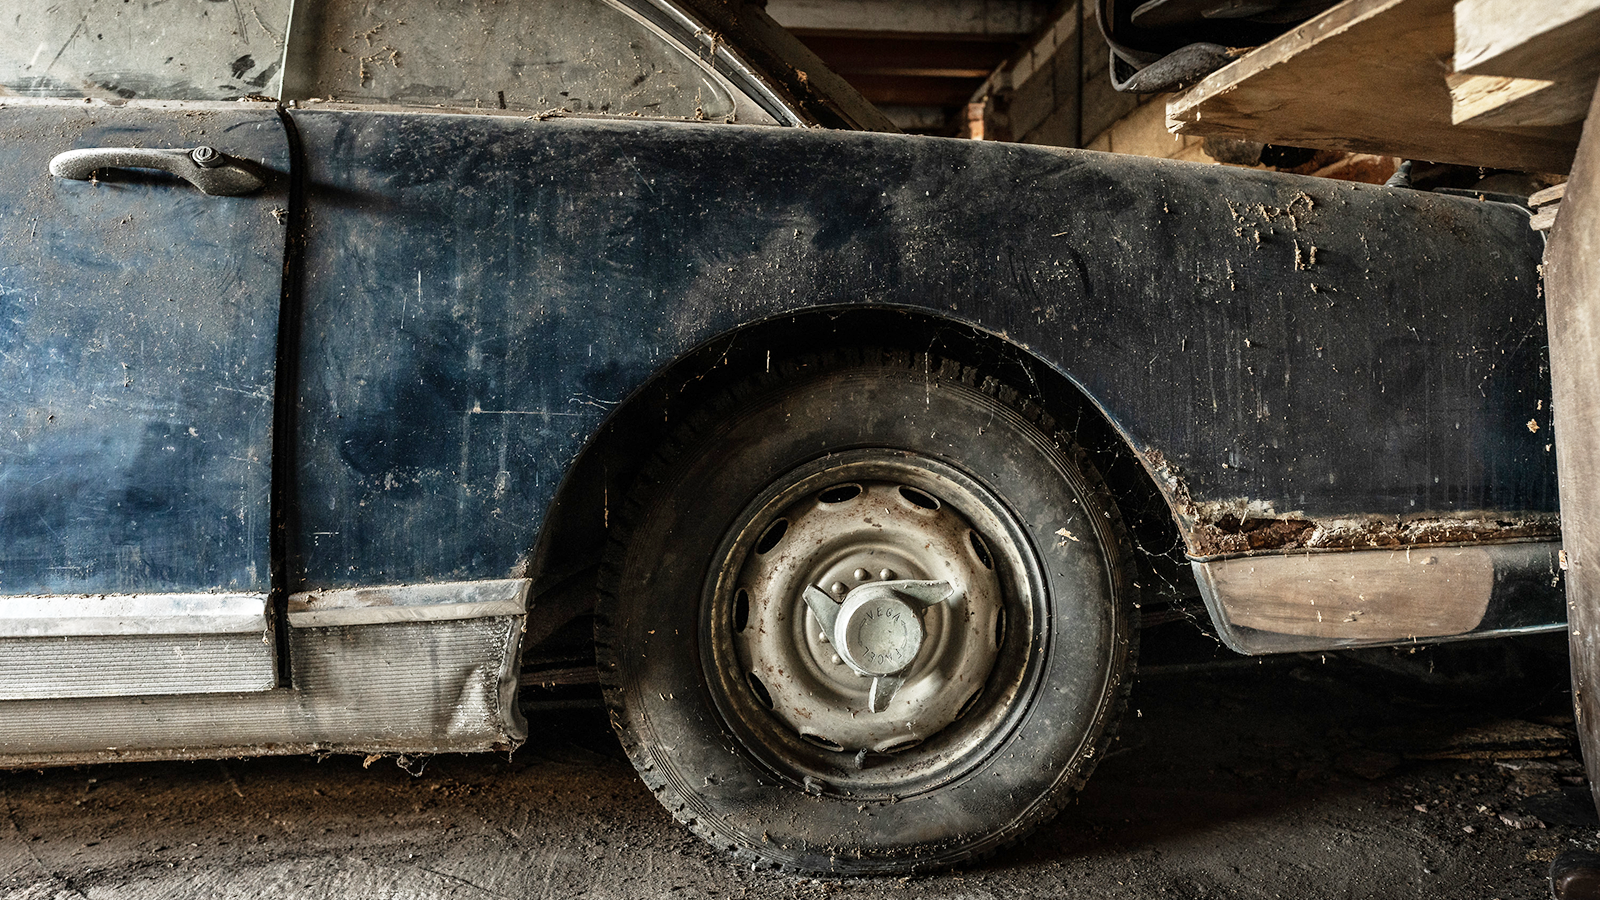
x=698 y=41
x=670 y=22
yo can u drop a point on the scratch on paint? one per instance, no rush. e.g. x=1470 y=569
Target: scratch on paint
x=595 y=402
x=277 y=39
x=238 y=13
x=70 y=38
x=478 y=410
x=259 y=393
x=642 y=180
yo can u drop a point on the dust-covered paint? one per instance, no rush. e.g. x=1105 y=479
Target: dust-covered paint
x=484 y=292
x=138 y=352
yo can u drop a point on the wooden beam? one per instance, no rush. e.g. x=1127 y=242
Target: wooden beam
x=1499 y=101
x=1546 y=204
x=1366 y=76
x=1572 y=303
x=1547 y=196
x=999 y=17
x=1554 y=40
x=1545 y=56
x=865 y=53
x=914 y=90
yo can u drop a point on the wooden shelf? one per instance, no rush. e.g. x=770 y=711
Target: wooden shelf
x=1376 y=76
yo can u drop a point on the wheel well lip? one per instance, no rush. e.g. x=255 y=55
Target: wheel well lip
x=1150 y=459
x=562 y=559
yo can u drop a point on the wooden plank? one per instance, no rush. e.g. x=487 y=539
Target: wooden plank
x=1524 y=44
x=1366 y=76
x=1547 y=196
x=1499 y=101
x=1555 y=40
x=999 y=17
x=1572 y=298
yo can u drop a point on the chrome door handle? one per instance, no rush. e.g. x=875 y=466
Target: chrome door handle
x=205 y=168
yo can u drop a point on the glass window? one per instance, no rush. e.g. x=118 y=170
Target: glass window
x=588 y=56
x=142 y=49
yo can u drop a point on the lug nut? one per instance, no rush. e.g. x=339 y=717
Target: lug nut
x=862 y=575
x=886 y=575
x=838 y=588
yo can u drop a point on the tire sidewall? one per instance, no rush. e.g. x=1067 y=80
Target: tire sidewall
x=651 y=612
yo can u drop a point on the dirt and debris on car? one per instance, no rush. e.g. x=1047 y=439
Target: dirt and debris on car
x=331 y=416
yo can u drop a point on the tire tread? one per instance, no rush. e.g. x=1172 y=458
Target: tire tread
x=726 y=402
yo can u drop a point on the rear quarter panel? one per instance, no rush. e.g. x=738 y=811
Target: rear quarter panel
x=480 y=291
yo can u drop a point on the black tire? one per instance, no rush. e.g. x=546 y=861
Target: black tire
x=713 y=667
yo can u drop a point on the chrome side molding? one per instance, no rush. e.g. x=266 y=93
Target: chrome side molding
x=409 y=603
x=396 y=669
x=1324 y=600
x=107 y=614
x=134 y=645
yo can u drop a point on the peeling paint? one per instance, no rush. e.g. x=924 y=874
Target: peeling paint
x=1222 y=529
x=1216 y=528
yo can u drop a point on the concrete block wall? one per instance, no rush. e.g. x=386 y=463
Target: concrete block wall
x=1057 y=91
x=1044 y=86
x=1142 y=131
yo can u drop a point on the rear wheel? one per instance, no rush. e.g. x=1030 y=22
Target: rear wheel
x=870 y=615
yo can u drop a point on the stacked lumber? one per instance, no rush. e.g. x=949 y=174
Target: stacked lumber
x=1497 y=83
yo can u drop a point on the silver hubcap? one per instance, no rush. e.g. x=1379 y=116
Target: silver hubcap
x=878 y=630
x=863 y=609
x=877 y=633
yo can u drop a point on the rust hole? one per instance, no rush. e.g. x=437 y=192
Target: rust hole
x=968 y=705
x=772 y=535
x=1000 y=627
x=741 y=610
x=840 y=493
x=918 y=498
x=981 y=549
x=902 y=746
x=760 y=690
x=820 y=741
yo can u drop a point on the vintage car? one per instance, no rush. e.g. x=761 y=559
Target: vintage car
x=352 y=352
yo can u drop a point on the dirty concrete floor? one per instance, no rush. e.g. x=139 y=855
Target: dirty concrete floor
x=1298 y=778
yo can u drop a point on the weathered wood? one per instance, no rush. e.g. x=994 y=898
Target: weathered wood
x=1572 y=299
x=1011 y=17
x=1366 y=76
x=1500 y=101
x=1384 y=595
x=1553 y=40
x=1526 y=44
x=1548 y=195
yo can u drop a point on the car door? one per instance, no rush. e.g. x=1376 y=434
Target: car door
x=429 y=192
x=143 y=198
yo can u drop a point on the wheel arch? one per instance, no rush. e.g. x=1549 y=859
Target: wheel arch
x=565 y=559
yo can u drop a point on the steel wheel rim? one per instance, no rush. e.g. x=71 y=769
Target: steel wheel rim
x=772 y=674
